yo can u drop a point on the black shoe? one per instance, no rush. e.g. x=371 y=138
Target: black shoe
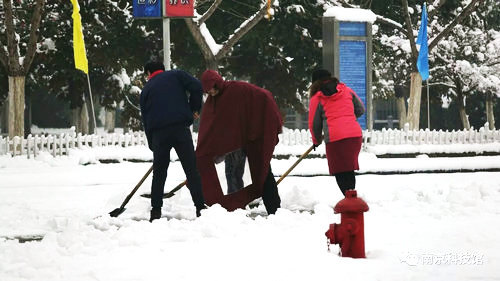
x=198 y=210
x=155 y=214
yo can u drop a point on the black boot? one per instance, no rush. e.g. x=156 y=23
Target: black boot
x=270 y=195
x=155 y=214
x=198 y=210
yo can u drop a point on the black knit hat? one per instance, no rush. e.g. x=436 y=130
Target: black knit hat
x=320 y=74
x=153 y=66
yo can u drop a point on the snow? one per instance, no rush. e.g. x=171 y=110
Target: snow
x=350 y=14
x=214 y=47
x=425 y=226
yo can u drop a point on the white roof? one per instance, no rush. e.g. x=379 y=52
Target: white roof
x=350 y=14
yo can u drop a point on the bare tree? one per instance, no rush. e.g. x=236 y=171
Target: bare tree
x=16 y=64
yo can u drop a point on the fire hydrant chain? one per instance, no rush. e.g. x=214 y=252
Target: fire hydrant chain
x=328 y=244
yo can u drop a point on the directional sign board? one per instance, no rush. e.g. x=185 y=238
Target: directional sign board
x=179 y=8
x=352 y=63
x=347 y=53
x=146 y=8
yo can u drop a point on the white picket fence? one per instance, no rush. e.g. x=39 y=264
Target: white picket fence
x=60 y=144
x=406 y=136
x=420 y=137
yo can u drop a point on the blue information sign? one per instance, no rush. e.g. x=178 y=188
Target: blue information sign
x=146 y=8
x=347 y=28
x=352 y=62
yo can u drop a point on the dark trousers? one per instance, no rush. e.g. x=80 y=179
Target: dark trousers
x=179 y=138
x=235 y=168
x=270 y=194
x=346 y=181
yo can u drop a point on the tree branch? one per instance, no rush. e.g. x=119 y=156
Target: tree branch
x=35 y=24
x=4 y=60
x=436 y=7
x=348 y=5
x=209 y=12
x=392 y=23
x=465 y=13
x=3 y=57
x=13 y=66
x=493 y=63
x=200 y=39
x=409 y=30
x=443 y=84
x=241 y=31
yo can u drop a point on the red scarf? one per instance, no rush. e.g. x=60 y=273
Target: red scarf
x=154 y=74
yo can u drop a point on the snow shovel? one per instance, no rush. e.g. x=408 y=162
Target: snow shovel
x=118 y=211
x=168 y=194
x=172 y=192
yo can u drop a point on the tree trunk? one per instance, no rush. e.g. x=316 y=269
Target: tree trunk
x=16 y=106
x=414 y=103
x=4 y=118
x=109 y=125
x=28 y=117
x=461 y=111
x=212 y=64
x=75 y=121
x=90 y=117
x=84 y=117
x=80 y=118
x=490 y=116
x=401 y=107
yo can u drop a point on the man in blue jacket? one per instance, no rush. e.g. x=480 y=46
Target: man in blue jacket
x=167 y=112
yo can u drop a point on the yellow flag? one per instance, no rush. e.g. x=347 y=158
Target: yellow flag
x=78 y=42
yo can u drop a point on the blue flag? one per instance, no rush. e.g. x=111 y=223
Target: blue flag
x=423 y=54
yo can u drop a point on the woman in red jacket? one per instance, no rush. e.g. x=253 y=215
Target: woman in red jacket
x=333 y=110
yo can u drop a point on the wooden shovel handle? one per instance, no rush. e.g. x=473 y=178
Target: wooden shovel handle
x=295 y=164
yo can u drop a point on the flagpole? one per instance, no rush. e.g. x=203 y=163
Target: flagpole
x=428 y=107
x=92 y=105
x=423 y=57
x=166 y=43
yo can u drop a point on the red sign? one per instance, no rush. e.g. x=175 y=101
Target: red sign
x=179 y=8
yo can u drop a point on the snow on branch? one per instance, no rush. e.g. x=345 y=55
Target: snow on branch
x=3 y=55
x=211 y=50
x=242 y=30
x=435 y=6
x=392 y=23
x=208 y=13
x=13 y=56
x=32 y=44
x=209 y=39
x=465 y=13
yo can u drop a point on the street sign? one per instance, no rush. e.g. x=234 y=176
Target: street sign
x=352 y=72
x=179 y=8
x=347 y=52
x=146 y=8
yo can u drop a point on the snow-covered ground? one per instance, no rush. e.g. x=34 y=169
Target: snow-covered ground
x=422 y=226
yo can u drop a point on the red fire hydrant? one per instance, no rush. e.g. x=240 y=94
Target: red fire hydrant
x=350 y=233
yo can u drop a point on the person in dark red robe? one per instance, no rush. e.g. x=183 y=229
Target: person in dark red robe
x=238 y=117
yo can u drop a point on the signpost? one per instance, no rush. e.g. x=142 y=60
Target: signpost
x=347 y=53
x=152 y=9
